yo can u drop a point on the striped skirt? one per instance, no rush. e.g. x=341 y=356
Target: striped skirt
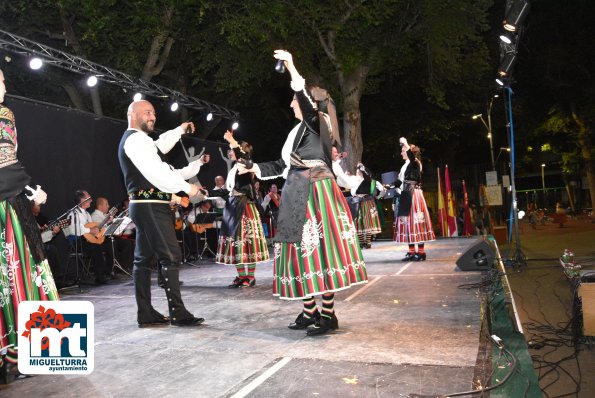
x=417 y=226
x=249 y=244
x=328 y=258
x=20 y=278
x=368 y=221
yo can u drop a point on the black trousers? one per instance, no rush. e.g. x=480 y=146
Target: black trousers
x=156 y=240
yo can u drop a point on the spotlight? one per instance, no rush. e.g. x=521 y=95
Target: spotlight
x=174 y=106
x=92 y=81
x=476 y=116
x=35 y=63
x=210 y=116
x=235 y=126
x=503 y=82
x=521 y=214
x=7 y=58
x=506 y=64
x=137 y=97
x=507 y=37
x=516 y=15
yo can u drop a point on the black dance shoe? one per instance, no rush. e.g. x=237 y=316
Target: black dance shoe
x=249 y=282
x=419 y=257
x=301 y=322
x=157 y=322
x=237 y=282
x=323 y=326
x=408 y=257
x=192 y=321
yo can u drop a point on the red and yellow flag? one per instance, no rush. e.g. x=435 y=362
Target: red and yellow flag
x=467 y=225
x=441 y=207
x=451 y=215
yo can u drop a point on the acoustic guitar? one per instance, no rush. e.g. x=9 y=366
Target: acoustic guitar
x=63 y=223
x=99 y=238
x=200 y=228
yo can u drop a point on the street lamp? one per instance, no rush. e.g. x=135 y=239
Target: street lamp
x=488 y=127
x=543 y=182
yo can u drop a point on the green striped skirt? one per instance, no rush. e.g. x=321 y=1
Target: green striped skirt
x=20 y=278
x=368 y=221
x=249 y=244
x=328 y=257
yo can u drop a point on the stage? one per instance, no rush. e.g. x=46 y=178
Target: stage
x=410 y=330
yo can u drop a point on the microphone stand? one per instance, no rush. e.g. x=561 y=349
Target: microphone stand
x=77 y=253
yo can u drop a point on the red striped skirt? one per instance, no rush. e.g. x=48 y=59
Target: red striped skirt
x=249 y=244
x=328 y=257
x=21 y=279
x=417 y=226
x=368 y=221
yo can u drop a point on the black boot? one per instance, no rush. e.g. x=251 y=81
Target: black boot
x=4 y=373
x=301 y=322
x=325 y=325
x=419 y=257
x=408 y=257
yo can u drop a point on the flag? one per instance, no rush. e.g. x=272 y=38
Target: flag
x=441 y=207
x=467 y=225
x=451 y=215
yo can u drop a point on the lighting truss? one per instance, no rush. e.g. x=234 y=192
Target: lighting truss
x=20 y=45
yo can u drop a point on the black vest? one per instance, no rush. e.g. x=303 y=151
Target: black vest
x=133 y=178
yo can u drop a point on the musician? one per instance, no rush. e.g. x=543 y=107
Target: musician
x=200 y=230
x=150 y=182
x=100 y=253
x=123 y=249
x=219 y=191
x=54 y=244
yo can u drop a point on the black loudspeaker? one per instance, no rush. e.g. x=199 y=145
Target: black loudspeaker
x=478 y=257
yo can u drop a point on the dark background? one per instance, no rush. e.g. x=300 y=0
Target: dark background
x=64 y=150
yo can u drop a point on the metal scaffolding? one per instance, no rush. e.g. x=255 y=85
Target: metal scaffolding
x=20 y=45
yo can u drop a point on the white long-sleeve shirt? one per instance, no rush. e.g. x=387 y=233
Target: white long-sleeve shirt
x=142 y=151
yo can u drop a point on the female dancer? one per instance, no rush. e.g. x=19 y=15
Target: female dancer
x=316 y=250
x=24 y=271
x=242 y=242
x=413 y=224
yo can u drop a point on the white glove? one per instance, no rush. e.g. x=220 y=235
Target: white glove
x=38 y=195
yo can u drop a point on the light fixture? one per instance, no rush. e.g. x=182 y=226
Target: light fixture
x=543 y=165
x=209 y=116
x=521 y=214
x=506 y=65
x=516 y=15
x=474 y=117
x=503 y=82
x=507 y=37
x=35 y=63
x=235 y=126
x=174 y=106
x=7 y=58
x=92 y=81
x=489 y=135
x=137 y=97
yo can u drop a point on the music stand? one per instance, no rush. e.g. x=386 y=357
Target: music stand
x=109 y=233
x=205 y=218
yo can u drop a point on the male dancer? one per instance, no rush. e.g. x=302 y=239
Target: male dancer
x=151 y=182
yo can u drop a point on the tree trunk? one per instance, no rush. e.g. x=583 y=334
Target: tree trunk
x=352 y=88
x=74 y=96
x=160 y=48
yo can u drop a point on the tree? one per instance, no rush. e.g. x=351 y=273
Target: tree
x=346 y=45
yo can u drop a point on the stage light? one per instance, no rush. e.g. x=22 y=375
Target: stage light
x=35 y=63
x=174 y=106
x=209 y=116
x=92 y=81
x=7 y=58
x=507 y=37
x=137 y=97
x=506 y=65
x=521 y=214
x=235 y=126
x=516 y=15
x=503 y=82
